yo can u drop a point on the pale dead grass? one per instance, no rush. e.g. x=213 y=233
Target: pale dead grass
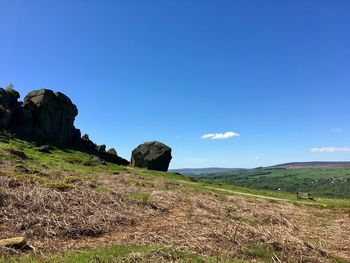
x=99 y=212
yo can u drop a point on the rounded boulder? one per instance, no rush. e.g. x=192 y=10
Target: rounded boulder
x=152 y=155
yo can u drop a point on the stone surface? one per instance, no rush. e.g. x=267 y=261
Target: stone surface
x=101 y=148
x=23 y=118
x=8 y=103
x=87 y=143
x=15 y=243
x=112 y=151
x=5 y=117
x=44 y=148
x=152 y=155
x=47 y=117
x=8 y=97
x=53 y=115
x=4 y=98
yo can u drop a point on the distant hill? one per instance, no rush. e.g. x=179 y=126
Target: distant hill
x=327 y=179
x=209 y=170
x=295 y=165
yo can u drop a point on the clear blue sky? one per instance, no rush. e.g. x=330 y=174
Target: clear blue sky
x=275 y=72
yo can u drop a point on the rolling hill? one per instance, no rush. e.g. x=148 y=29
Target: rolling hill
x=321 y=181
x=71 y=207
x=209 y=170
x=295 y=165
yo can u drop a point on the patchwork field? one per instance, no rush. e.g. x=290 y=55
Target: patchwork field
x=327 y=182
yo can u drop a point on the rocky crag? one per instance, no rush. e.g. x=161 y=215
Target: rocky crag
x=47 y=117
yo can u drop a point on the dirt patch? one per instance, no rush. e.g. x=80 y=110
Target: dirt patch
x=17 y=154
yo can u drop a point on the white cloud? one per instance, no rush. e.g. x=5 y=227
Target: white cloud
x=256 y=158
x=330 y=149
x=215 y=136
x=336 y=129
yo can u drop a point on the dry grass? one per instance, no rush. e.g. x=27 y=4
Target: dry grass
x=100 y=211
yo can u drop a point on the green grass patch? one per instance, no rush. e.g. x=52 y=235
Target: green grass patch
x=261 y=252
x=141 y=197
x=331 y=183
x=72 y=179
x=118 y=253
x=75 y=161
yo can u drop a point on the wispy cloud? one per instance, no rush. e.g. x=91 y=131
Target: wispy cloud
x=336 y=129
x=216 y=136
x=256 y=158
x=330 y=149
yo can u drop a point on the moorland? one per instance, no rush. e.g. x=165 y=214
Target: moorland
x=72 y=208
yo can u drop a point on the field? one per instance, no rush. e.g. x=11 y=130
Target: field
x=326 y=182
x=72 y=208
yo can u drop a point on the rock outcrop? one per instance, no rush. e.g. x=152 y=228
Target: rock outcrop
x=48 y=118
x=112 y=151
x=101 y=148
x=152 y=155
x=53 y=115
x=8 y=105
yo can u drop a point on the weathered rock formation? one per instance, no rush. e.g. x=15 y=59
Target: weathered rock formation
x=53 y=115
x=8 y=104
x=86 y=143
x=112 y=151
x=101 y=148
x=152 y=155
x=47 y=117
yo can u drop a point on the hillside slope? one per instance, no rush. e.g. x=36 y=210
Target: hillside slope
x=209 y=170
x=67 y=202
x=319 y=165
x=327 y=182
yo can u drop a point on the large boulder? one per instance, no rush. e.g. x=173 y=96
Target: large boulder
x=53 y=115
x=152 y=155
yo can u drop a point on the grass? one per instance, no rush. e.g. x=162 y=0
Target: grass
x=332 y=182
x=141 y=197
x=261 y=252
x=118 y=253
x=72 y=179
x=81 y=164
x=104 y=198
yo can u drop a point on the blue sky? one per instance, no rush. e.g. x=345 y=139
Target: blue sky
x=276 y=73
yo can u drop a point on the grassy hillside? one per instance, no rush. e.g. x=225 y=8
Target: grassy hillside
x=316 y=165
x=74 y=208
x=210 y=170
x=328 y=182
